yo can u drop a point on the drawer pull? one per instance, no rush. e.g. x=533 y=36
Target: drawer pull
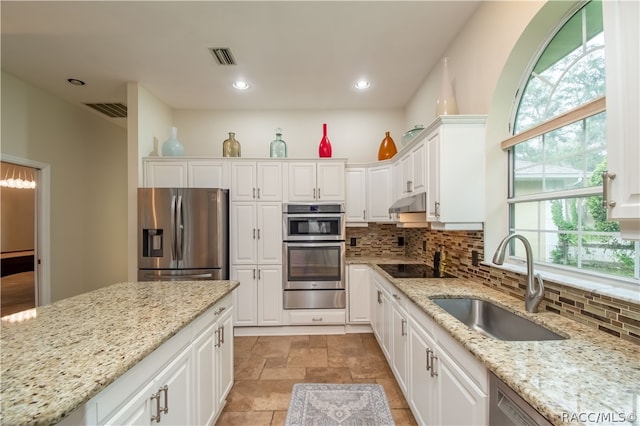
x=156 y=396
x=316 y=319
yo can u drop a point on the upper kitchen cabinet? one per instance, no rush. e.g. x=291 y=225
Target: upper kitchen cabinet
x=622 y=192
x=380 y=194
x=455 y=179
x=412 y=171
x=311 y=181
x=185 y=173
x=356 y=199
x=256 y=180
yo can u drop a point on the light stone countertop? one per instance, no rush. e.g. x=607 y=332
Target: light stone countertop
x=72 y=349
x=570 y=381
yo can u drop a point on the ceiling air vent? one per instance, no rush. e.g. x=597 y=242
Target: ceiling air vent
x=110 y=110
x=223 y=55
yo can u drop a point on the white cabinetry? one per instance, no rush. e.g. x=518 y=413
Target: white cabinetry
x=380 y=194
x=369 y=194
x=443 y=383
x=256 y=233
x=256 y=181
x=412 y=172
x=258 y=299
x=316 y=180
x=356 y=197
x=621 y=32
x=358 y=288
x=184 y=381
x=191 y=173
x=455 y=193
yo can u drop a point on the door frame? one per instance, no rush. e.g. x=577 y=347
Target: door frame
x=43 y=226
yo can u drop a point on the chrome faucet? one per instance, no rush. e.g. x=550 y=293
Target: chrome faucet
x=534 y=295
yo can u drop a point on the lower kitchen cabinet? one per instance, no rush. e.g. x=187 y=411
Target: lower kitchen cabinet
x=185 y=381
x=442 y=382
x=358 y=288
x=258 y=299
x=447 y=385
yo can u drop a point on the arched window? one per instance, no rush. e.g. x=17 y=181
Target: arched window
x=559 y=150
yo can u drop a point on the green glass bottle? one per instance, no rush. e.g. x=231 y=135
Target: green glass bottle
x=278 y=148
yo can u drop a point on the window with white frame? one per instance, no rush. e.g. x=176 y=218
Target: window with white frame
x=558 y=152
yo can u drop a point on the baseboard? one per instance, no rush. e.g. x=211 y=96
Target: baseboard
x=293 y=330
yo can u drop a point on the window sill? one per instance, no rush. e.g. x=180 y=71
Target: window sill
x=620 y=290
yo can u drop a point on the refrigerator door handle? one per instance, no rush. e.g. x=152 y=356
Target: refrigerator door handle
x=179 y=229
x=173 y=228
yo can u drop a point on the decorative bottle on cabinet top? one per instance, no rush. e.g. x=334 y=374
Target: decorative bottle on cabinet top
x=231 y=147
x=446 y=103
x=278 y=147
x=172 y=146
x=387 y=148
x=324 y=149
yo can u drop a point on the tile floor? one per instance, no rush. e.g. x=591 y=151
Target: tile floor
x=267 y=367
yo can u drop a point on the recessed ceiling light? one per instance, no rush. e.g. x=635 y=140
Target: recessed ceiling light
x=241 y=85
x=362 y=84
x=75 y=82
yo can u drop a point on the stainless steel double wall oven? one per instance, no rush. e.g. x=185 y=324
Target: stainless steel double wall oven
x=313 y=256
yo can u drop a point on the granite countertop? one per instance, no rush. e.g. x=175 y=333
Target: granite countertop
x=589 y=378
x=74 y=348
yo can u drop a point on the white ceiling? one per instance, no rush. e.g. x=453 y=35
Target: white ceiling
x=295 y=54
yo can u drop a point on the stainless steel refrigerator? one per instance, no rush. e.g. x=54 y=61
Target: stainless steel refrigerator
x=183 y=234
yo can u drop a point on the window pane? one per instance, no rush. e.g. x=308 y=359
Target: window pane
x=569 y=73
x=574 y=232
x=567 y=158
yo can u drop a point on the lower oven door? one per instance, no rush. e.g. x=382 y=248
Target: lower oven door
x=313 y=265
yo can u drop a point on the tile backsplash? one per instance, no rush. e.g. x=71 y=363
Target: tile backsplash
x=614 y=316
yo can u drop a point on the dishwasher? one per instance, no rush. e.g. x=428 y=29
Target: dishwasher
x=507 y=408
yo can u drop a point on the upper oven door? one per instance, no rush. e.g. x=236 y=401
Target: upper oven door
x=313 y=266
x=313 y=227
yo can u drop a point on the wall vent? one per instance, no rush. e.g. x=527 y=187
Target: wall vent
x=110 y=110
x=222 y=55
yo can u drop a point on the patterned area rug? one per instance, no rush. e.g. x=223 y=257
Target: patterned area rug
x=324 y=404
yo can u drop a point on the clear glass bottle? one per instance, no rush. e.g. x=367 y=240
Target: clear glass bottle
x=278 y=147
x=231 y=147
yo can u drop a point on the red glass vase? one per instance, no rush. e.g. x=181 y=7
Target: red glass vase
x=324 y=149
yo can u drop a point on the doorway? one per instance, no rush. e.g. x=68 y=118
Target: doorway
x=19 y=214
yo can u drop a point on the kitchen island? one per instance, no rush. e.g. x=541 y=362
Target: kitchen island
x=589 y=378
x=69 y=351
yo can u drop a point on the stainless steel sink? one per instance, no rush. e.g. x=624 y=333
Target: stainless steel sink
x=494 y=321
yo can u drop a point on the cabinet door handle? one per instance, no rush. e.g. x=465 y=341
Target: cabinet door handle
x=379 y=297
x=156 y=396
x=254 y=193
x=318 y=193
x=434 y=373
x=216 y=335
x=258 y=193
x=254 y=274
x=258 y=233
x=428 y=357
x=409 y=186
x=222 y=338
x=606 y=178
x=314 y=193
x=164 y=389
x=403 y=327
x=437 y=208
x=363 y=214
x=259 y=274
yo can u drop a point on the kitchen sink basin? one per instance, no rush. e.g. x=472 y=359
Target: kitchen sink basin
x=494 y=321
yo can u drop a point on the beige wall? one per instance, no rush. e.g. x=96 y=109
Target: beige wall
x=88 y=186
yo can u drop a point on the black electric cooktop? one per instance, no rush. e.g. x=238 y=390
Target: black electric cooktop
x=409 y=270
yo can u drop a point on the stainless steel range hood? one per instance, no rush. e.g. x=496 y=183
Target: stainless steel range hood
x=412 y=204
